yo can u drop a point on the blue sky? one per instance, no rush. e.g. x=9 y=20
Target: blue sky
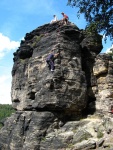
x=18 y=17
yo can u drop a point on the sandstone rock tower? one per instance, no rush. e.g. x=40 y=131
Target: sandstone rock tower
x=49 y=105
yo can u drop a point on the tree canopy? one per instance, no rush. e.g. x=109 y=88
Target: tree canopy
x=98 y=14
x=5 y=111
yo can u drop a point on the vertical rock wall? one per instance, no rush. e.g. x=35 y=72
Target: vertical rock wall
x=49 y=106
x=34 y=86
x=103 y=70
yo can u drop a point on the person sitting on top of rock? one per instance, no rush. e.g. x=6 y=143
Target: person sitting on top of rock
x=65 y=18
x=50 y=60
x=55 y=19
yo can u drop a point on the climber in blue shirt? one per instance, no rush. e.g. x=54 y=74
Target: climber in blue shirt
x=50 y=60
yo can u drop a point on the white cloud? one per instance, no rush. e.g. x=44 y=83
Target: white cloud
x=7 y=45
x=5 y=89
x=3 y=79
x=108 y=50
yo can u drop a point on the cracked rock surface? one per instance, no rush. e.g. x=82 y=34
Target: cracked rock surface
x=66 y=109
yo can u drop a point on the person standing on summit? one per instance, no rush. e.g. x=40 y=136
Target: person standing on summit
x=65 y=18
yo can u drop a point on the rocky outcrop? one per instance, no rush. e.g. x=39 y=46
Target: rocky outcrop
x=68 y=109
x=34 y=86
x=103 y=70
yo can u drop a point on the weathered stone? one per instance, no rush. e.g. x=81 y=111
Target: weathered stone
x=25 y=130
x=52 y=109
x=85 y=145
x=80 y=136
x=104 y=96
x=53 y=91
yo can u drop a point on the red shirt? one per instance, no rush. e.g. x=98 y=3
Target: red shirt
x=65 y=16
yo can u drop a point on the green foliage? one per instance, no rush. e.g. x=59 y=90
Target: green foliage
x=22 y=61
x=5 y=111
x=99 y=134
x=92 y=28
x=36 y=39
x=111 y=53
x=70 y=145
x=96 y=12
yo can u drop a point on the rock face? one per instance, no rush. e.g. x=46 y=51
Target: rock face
x=103 y=70
x=52 y=107
x=34 y=86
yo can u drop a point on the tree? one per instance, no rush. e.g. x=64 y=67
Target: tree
x=5 y=111
x=98 y=14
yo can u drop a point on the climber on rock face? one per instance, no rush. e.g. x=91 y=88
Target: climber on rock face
x=50 y=60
